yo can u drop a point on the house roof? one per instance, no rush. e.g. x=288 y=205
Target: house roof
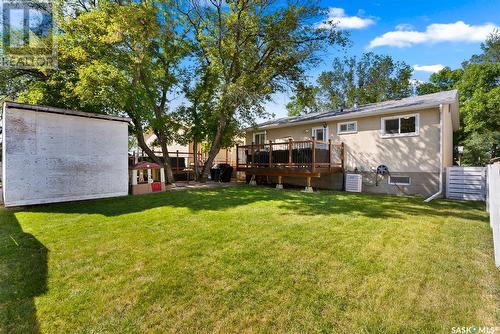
x=64 y=111
x=146 y=165
x=405 y=104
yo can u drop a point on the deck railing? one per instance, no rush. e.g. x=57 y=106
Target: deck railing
x=310 y=155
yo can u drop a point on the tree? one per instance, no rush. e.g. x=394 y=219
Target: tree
x=478 y=86
x=372 y=78
x=445 y=79
x=480 y=110
x=304 y=100
x=119 y=58
x=479 y=91
x=254 y=49
x=490 y=48
x=199 y=91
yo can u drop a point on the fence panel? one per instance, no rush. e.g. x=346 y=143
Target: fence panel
x=494 y=207
x=466 y=183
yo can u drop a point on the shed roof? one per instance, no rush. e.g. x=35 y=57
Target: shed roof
x=405 y=104
x=146 y=165
x=54 y=110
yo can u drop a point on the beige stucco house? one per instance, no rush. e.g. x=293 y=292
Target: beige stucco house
x=413 y=137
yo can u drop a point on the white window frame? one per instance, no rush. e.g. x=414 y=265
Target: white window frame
x=260 y=133
x=347 y=123
x=400 y=183
x=313 y=132
x=392 y=135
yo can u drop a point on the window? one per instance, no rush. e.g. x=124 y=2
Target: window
x=320 y=134
x=347 y=127
x=400 y=180
x=399 y=126
x=259 y=138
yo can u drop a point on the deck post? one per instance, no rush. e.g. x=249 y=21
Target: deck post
x=252 y=150
x=313 y=158
x=279 y=185
x=290 y=152
x=330 y=155
x=270 y=154
x=308 y=188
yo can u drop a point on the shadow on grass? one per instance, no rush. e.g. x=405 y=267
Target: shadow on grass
x=23 y=276
x=319 y=203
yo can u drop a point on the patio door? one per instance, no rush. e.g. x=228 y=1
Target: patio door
x=320 y=133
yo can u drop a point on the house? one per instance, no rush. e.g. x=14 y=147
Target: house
x=412 y=137
x=56 y=155
x=183 y=153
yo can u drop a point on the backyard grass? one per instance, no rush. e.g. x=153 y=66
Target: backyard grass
x=246 y=259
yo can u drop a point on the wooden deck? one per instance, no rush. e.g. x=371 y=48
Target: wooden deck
x=307 y=158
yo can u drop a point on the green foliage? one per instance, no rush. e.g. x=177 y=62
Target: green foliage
x=372 y=78
x=490 y=48
x=304 y=101
x=478 y=84
x=446 y=79
x=254 y=49
x=122 y=57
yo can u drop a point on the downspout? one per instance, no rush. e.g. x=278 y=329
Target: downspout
x=440 y=190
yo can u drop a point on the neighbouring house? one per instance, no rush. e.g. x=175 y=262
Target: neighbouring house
x=182 y=156
x=55 y=155
x=411 y=137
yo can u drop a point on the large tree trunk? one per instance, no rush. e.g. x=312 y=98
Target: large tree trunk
x=169 y=175
x=142 y=144
x=214 y=149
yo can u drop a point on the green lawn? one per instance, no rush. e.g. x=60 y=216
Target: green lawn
x=246 y=259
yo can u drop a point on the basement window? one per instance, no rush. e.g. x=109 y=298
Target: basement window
x=400 y=126
x=400 y=180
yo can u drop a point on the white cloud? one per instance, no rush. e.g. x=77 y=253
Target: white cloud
x=436 y=32
x=337 y=17
x=404 y=27
x=428 y=68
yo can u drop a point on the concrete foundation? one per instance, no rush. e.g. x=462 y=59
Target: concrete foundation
x=423 y=184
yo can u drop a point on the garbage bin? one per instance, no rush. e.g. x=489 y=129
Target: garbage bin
x=221 y=173
x=226 y=171
x=215 y=173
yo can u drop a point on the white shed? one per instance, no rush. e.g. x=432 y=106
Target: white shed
x=56 y=155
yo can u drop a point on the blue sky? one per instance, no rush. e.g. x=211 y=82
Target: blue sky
x=426 y=34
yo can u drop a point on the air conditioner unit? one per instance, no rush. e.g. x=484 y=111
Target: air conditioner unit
x=353 y=182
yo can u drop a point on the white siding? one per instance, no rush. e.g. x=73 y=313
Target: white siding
x=467 y=183
x=51 y=157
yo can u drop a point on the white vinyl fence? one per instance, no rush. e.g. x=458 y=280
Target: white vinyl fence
x=494 y=206
x=466 y=183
